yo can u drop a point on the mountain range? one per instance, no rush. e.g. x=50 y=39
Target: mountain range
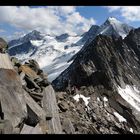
x=55 y=53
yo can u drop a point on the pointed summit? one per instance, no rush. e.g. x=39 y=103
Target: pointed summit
x=33 y=35
x=113 y=26
x=34 y=32
x=112 y=20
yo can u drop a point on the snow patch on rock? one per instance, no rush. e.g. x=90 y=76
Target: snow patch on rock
x=131 y=94
x=78 y=96
x=119 y=117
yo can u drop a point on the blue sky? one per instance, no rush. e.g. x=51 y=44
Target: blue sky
x=55 y=20
x=101 y=13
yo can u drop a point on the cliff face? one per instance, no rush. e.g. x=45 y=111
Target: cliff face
x=107 y=71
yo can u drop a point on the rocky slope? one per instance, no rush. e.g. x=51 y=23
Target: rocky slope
x=102 y=87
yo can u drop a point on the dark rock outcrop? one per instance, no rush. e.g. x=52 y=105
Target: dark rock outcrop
x=22 y=48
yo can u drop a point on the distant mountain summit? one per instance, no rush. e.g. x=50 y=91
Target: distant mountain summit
x=114 y=27
x=34 y=35
x=111 y=27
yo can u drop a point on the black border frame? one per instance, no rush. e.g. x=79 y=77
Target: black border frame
x=69 y=2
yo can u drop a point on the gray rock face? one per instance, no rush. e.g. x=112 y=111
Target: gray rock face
x=101 y=67
x=50 y=106
x=26 y=110
x=6 y=127
x=12 y=97
x=31 y=130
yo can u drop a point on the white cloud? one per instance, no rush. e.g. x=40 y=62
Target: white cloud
x=51 y=19
x=15 y=35
x=129 y=13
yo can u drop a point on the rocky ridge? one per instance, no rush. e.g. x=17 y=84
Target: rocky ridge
x=106 y=72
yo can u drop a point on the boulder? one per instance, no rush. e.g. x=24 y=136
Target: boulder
x=12 y=99
x=68 y=126
x=31 y=84
x=31 y=130
x=40 y=113
x=34 y=65
x=63 y=105
x=49 y=104
x=28 y=71
x=6 y=127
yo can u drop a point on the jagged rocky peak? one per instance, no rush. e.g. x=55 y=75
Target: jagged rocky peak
x=112 y=20
x=112 y=26
x=33 y=35
x=90 y=34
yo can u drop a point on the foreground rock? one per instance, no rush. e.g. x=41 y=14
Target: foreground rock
x=49 y=104
x=27 y=100
x=13 y=107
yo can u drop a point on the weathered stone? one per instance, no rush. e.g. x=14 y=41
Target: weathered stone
x=32 y=118
x=68 y=127
x=31 y=130
x=34 y=65
x=5 y=62
x=63 y=106
x=49 y=105
x=22 y=76
x=16 y=131
x=6 y=127
x=60 y=96
x=30 y=83
x=43 y=126
x=28 y=71
x=35 y=107
x=12 y=97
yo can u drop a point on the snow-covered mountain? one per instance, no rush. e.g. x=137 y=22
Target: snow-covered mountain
x=111 y=27
x=51 y=52
x=114 y=27
x=55 y=53
x=34 y=35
